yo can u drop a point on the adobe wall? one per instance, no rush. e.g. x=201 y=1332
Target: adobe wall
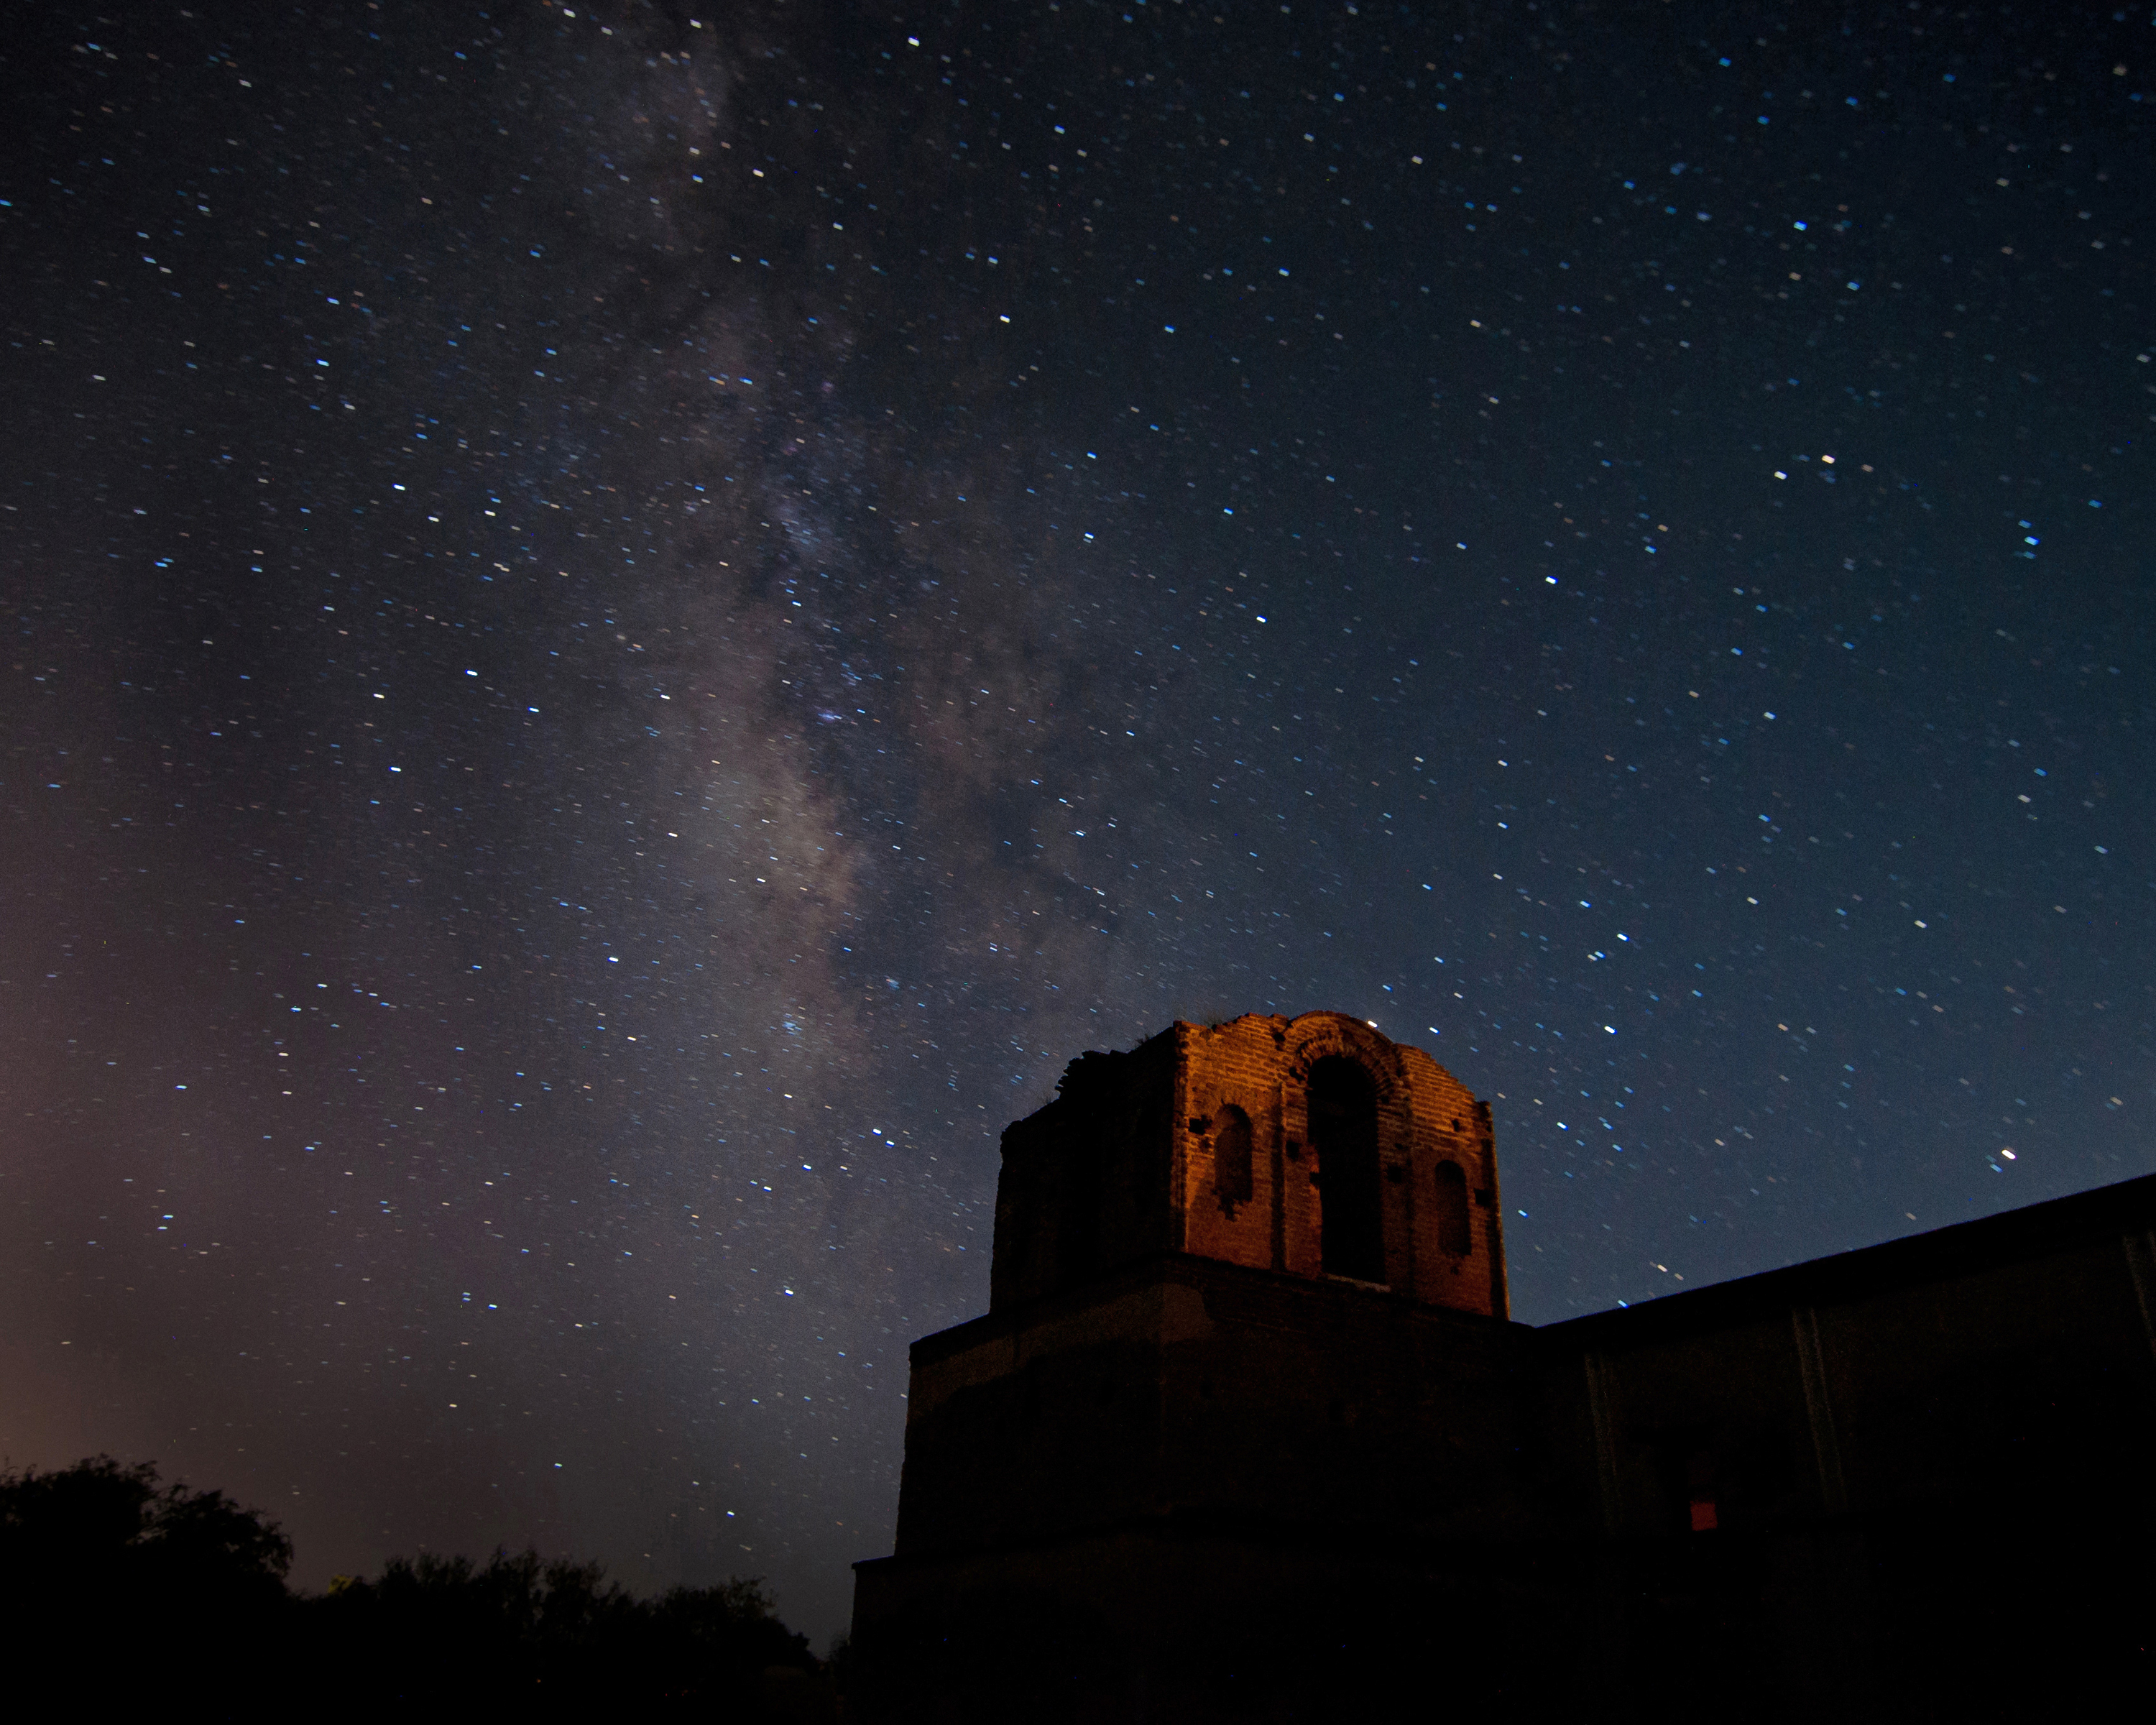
x=1986 y=1363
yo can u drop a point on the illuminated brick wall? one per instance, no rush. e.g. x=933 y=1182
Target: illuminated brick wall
x=1204 y=1139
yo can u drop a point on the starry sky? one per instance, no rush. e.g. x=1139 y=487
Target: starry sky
x=626 y=625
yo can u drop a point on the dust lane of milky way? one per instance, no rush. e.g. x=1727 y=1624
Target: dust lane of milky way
x=625 y=628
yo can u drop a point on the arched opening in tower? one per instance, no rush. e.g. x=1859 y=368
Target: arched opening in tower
x=1234 y=1179
x=1454 y=1234
x=1343 y=1132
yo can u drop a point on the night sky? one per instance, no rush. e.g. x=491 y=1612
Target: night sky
x=625 y=627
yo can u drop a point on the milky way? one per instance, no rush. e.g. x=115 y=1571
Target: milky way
x=627 y=628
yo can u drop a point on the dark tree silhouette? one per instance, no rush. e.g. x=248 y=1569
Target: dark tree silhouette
x=129 y=1593
x=138 y=1591
x=98 y=1524
x=553 y=1635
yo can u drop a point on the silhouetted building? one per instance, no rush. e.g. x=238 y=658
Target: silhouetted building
x=1246 y=1431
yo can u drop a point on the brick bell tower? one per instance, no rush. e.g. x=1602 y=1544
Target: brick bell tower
x=1312 y=1147
x=1247 y=1330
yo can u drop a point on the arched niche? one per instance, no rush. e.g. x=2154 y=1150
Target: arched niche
x=1234 y=1176
x=1341 y=1099
x=1455 y=1233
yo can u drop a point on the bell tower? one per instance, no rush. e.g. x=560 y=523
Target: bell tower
x=1311 y=1146
x=1248 y=1292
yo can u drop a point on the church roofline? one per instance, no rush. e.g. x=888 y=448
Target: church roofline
x=2107 y=1214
